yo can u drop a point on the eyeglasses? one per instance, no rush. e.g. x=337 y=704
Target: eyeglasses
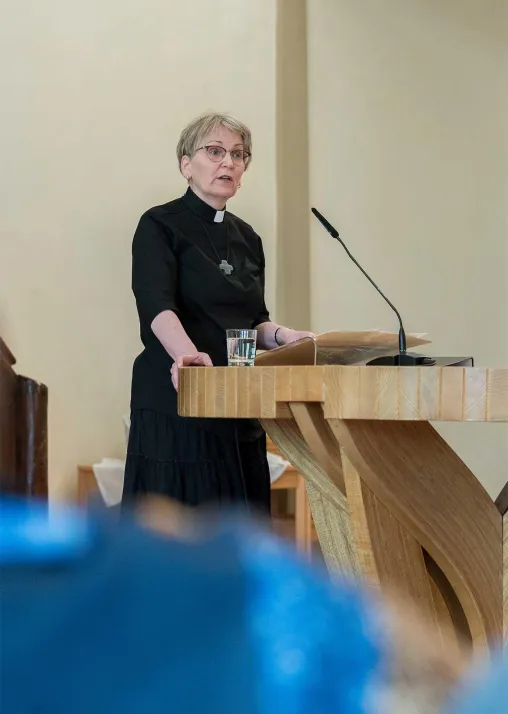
x=217 y=153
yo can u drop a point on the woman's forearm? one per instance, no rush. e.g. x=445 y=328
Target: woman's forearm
x=169 y=331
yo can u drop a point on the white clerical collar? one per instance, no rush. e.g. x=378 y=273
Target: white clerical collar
x=219 y=216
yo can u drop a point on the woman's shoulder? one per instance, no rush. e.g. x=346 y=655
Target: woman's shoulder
x=158 y=221
x=165 y=211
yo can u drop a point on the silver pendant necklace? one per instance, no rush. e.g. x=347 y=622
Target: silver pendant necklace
x=224 y=265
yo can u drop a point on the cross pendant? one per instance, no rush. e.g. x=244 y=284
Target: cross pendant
x=226 y=268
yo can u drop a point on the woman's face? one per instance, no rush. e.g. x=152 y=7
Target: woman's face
x=215 y=182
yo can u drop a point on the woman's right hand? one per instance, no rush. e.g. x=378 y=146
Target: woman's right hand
x=201 y=359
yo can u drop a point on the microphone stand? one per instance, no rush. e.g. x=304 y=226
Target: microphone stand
x=402 y=357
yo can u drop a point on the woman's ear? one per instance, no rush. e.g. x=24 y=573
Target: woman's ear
x=185 y=167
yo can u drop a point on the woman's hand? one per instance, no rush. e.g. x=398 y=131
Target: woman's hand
x=201 y=359
x=285 y=335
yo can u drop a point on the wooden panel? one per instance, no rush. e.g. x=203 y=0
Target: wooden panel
x=416 y=393
x=452 y=395
x=246 y=392
x=32 y=437
x=303 y=519
x=381 y=393
x=497 y=389
x=475 y=395
x=6 y=354
x=327 y=501
x=8 y=393
x=408 y=394
x=505 y=578
x=389 y=556
x=446 y=624
x=23 y=431
x=288 y=438
x=450 y=611
x=431 y=492
x=502 y=500
x=87 y=484
x=319 y=440
x=388 y=393
x=333 y=528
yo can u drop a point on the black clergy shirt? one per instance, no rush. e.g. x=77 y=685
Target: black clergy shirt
x=176 y=253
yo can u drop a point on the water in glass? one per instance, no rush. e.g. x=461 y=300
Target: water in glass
x=241 y=347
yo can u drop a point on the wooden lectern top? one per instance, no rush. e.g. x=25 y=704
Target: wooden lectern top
x=347 y=392
x=331 y=369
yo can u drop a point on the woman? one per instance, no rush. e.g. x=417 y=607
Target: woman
x=197 y=271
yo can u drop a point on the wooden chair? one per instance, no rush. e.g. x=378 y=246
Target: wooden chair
x=23 y=431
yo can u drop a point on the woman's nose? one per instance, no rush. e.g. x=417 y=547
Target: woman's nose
x=227 y=160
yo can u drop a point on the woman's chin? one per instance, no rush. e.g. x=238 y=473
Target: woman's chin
x=225 y=190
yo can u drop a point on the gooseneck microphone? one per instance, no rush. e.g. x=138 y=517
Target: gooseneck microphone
x=403 y=357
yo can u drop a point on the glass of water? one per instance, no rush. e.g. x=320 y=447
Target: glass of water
x=241 y=347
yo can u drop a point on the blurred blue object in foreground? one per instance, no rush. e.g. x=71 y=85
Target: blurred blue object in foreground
x=487 y=693
x=132 y=622
x=106 y=617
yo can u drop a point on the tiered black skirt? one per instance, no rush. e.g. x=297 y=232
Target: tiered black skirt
x=173 y=457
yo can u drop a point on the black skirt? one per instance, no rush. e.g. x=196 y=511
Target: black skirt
x=173 y=457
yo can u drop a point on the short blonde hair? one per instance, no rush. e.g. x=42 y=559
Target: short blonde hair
x=195 y=133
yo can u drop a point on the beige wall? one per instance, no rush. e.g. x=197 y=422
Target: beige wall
x=292 y=137
x=408 y=120
x=94 y=95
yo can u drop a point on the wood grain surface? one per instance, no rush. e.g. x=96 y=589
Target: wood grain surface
x=380 y=393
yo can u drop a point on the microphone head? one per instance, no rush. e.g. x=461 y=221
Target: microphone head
x=327 y=226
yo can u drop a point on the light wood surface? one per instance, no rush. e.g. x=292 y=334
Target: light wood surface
x=351 y=392
x=390 y=499
x=389 y=555
x=505 y=578
x=425 y=485
x=327 y=502
x=502 y=505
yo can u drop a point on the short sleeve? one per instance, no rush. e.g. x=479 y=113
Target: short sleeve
x=264 y=315
x=154 y=270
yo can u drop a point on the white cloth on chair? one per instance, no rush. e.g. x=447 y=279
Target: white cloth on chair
x=277 y=466
x=109 y=474
x=126 y=419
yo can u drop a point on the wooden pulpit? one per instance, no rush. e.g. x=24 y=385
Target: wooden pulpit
x=391 y=501
x=23 y=431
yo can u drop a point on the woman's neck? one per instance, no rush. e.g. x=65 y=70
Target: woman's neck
x=216 y=202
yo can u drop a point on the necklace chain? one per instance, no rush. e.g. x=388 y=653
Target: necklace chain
x=224 y=265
